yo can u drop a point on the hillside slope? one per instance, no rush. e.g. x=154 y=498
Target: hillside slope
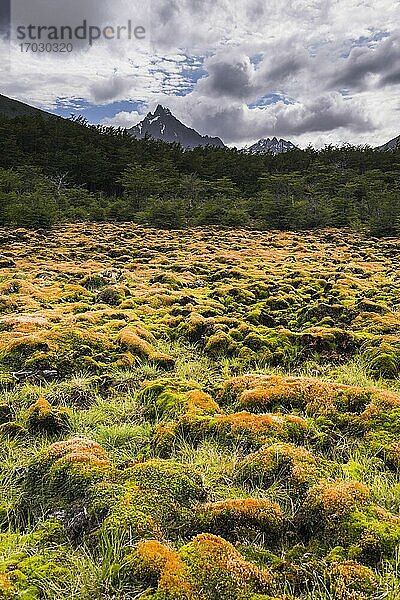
x=13 y=108
x=392 y=144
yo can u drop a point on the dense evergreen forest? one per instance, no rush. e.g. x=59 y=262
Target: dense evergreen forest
x=55 y=170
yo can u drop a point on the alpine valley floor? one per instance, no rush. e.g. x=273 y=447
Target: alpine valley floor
x=199 y=415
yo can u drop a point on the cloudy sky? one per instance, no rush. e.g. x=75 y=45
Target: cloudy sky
x=312 y=71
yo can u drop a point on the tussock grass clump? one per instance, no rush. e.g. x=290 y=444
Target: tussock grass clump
x=42 y=417
x=80 y=391
x=64 y=473
x=351 y=581
x=167 y=398
x=6 y=413
x=140 y=346
x=240 y=518
x=330 y=500
x=282 y=462
x=244 y=429
x=155 y=499
x=12 y=430
x=208 y=568
x=351 y=407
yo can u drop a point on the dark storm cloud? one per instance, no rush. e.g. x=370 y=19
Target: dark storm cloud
x=286 y=65
x=190 y=23
x=240 y=52
x=196 y=6
x=229 y=75
x=369 y=66
x=326 y=113
x=110 y=89
x=255 y=10
x=392 y=78
x=164 y=11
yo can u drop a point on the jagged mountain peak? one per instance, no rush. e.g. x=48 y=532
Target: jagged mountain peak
x=162 y=110
x=271 y=145
x=163 y=125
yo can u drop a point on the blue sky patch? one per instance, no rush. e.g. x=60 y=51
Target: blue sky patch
x=92 y=112
x=270 y=99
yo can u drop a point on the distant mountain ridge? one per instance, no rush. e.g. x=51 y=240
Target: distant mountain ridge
x=163 y=125
x=271 y=146
x=391 y=145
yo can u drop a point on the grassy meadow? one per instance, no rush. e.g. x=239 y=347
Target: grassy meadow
x=199 y=415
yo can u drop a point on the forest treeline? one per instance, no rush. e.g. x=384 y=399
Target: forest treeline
x=54 y=170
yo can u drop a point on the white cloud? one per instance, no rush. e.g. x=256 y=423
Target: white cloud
x=123 y=119
x=307 y=50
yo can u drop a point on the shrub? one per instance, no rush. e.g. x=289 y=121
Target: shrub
x=164 y=214
x=112 y=295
